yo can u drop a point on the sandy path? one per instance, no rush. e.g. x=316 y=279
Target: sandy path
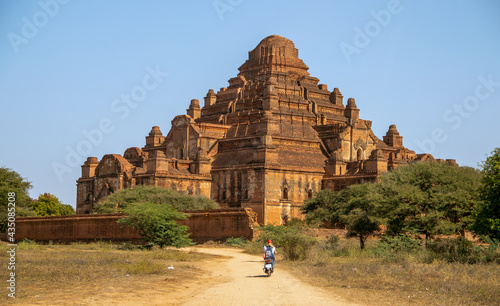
x=247 y=285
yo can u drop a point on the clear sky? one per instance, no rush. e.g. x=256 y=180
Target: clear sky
x=68 y=66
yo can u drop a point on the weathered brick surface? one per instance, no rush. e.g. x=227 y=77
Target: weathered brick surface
x=74 y=228
x=268 y=141
x=204 y=225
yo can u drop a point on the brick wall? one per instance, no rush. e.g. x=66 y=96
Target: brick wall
x=204 y=225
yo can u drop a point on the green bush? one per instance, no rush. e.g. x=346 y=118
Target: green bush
x=157 y=224
x=397 y=249
x=14 y=186
x=122 y=199
x=28 y=244
x=127 y=246
x=293 y=242
x=253 y=247
x=400 y=244
x=332 y=242
x=329 y=247
x=49 y=205
x=461 y=250
x=238 y=241
x=295 y=222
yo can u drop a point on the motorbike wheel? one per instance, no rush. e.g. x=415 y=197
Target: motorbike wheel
x=268 y=272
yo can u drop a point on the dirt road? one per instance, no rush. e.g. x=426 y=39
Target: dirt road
x=246 y=284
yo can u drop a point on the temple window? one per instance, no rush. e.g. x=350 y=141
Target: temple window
x=285 y=194
x=359 y=154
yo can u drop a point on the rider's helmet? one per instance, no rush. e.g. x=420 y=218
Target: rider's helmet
x=269 y=241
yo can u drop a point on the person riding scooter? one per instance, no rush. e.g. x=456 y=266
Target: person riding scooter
x=270 y=251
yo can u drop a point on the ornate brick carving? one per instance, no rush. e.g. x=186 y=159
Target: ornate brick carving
x=273 y=123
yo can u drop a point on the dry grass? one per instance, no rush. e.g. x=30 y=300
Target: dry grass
x=380 y=275
x=363 y=278
x=46 y=273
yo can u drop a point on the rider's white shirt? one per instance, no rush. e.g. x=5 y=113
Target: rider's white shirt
x=273 y=249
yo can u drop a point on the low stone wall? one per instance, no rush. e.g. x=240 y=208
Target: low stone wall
x=220 y=224
x=204 y=225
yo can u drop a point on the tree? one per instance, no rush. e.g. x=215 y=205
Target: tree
x=122 y=199
x=319 y=207
x=11 y=181
x=157 y=224
x=359 y=211
x=429 y=198
x=423 y=198
x=49 y=205
x=487 y=216
x=357 y=207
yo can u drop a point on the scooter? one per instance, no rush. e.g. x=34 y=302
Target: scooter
x=268 y=266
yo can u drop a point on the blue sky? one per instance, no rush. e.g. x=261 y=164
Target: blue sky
x=432 y=68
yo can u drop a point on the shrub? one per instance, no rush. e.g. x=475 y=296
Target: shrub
x=13 y=185
x=127 y=246
x=293 y=242
x=49 y=205
x=253 y=247
x=332 y=242
x=400 y=244
x=462 y=250
x=492 y=253
x=451 y=250
x=28 y=244
x=238 y=241
x=487 y=214
x=295 y=222
x=122 y=199
x=157 y=224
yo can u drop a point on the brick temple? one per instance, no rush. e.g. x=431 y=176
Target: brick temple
x=268 y=141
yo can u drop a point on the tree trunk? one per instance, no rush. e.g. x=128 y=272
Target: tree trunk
x=462 y=232
x=361 y=242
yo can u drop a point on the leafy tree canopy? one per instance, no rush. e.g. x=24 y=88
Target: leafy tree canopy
x=430 y=198
x=487 y=217
x=11 y=181
x=157 y=224
x=49 y=205
x=122 y=199
x=357 y=207
x=423 y=198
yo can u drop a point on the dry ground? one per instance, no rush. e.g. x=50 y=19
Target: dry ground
x=69 y=275
x=247 y=285
x=103 y=275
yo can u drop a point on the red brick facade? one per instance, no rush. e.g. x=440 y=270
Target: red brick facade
x=204 y=225
x=268 y=141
